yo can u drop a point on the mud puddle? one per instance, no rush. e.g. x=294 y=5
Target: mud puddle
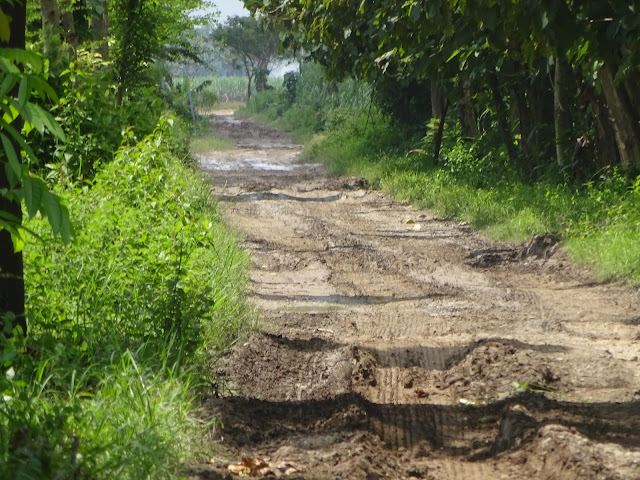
x=394 y=344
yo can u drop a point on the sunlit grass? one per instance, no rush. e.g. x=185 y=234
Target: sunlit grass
x=599 y=223
x=209 y=143
x=615 y=252
x=124 y=323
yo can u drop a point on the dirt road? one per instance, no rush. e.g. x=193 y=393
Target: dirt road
x=395 y=344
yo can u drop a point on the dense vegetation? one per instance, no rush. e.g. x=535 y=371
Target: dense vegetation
x=556 y=80
x=118 y=282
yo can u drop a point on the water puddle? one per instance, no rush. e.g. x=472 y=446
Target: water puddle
x=345 y=302
x=314 y=309
x=269 y=160
x=257 y=196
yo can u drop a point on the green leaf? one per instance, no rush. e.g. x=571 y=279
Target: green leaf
x=8 y=83
x=7 y=66
x=453 y=55
x=57 y=214
x=11 y=224
x=5 y=30
x=43 y=88
x=24 y=57
x=34 y=188
x=41 y=119
x=18 y=138
x=583 y=50
x=13 y=168
x=52 y=208
x=23 y=91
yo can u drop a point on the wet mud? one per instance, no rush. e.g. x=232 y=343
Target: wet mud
x=394 y=344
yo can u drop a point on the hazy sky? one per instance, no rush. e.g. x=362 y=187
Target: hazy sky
x=229 y=8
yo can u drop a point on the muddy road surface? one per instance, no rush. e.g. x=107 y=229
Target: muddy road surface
x=395 y=344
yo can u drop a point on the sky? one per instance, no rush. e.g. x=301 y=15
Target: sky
x=229 y=8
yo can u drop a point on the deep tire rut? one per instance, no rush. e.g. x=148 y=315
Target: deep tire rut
x=394 y=344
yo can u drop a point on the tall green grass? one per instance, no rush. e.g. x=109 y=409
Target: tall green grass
x=600 y=221
x=304 y=104
x=225 y=89
x=123 y=324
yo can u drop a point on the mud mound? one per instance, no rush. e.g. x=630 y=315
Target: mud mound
x=277 y=368
x=541 y=246
x=560 y=453
x=495 y=370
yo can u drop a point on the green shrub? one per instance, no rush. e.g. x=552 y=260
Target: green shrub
x=123 y=323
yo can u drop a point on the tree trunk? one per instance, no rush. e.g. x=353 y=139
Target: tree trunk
x=68 y=25
x=468 y=116
x=100 y=28
x=541 y=112
x=437 y=141
x=606 y=152
x=502 y=114
x=562 y=115
x=438 y=99
x=50 y=23
x=11 y=264
x=625 y=124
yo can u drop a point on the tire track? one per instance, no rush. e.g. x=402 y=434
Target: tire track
x=384 y=352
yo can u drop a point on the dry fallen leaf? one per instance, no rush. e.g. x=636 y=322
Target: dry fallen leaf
x=421 y=393
x=249 y=468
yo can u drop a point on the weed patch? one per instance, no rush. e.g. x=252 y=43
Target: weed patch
x=123 y=324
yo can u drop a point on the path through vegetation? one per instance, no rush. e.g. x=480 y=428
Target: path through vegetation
x=395 y=344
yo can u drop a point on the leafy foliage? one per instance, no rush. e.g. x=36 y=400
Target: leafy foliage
x=123 y=321
x=20 y=87
x=148 y=32
x=252 y=46
x=510 y=50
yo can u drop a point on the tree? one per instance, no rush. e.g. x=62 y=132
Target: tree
x=509 y=49
x=252 y=46
x=23 y=88
x=148 y=32
x=11 y=264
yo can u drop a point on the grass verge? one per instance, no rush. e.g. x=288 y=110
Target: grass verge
x=599 y=221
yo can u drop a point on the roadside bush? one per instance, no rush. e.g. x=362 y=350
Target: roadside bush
x=123 y=324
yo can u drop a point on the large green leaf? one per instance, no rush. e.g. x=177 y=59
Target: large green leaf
x=42 y=88
x=34 y=190
x=40 y=119
x=18 y=138
x=8 y=83
x=23 y=91
x=24 y=57
x=57 y=214
x=13 y=168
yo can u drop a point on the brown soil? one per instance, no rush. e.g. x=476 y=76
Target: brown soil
x=394 y=344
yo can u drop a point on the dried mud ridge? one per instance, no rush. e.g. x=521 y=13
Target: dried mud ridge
x=394 y=344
